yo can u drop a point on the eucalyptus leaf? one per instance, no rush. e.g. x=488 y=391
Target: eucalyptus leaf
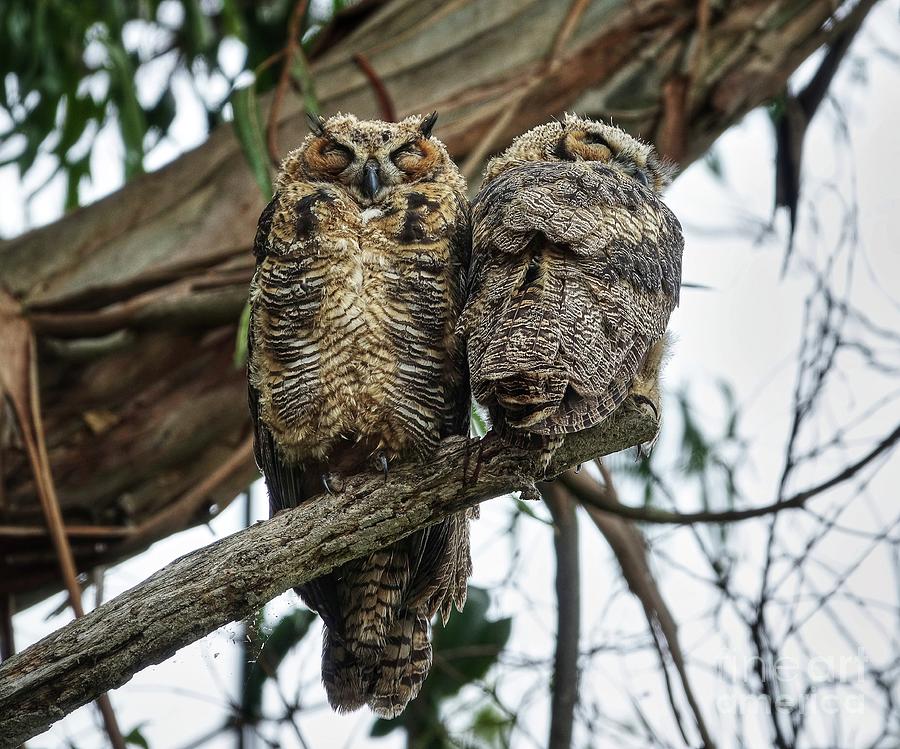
x=250 y=134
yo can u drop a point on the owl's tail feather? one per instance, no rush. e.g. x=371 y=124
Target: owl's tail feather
x=345 y=679
x=375 y=591
x=405 y=662
x=377 y=647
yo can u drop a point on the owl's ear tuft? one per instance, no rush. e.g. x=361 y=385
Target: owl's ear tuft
x=427 y=124
x=316 y=123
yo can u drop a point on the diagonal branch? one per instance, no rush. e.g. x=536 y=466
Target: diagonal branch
x=630 y=548
x=233 y=577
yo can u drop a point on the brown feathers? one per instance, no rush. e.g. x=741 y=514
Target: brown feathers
x=356 y=340
x=355 y=363
x=576 y=267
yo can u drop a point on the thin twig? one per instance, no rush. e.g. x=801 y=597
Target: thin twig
x=292 y=48
x=385 y=102
x=7 y=636
x=598 y=498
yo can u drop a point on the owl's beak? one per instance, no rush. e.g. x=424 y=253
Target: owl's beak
x=371 y=181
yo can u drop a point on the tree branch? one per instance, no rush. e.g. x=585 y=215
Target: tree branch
x=568 y=603
x=230 y=578
x=594 y=496
x=630 y=547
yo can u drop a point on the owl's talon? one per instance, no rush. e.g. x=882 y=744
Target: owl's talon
x=326 y=484
x=382 y=462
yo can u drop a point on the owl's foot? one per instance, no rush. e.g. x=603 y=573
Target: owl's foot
x=326 y=483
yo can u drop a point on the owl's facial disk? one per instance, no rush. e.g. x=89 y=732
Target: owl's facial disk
x=371 y=158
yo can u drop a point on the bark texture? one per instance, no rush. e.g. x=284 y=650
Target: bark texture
x=234 y=576
x=134 y=300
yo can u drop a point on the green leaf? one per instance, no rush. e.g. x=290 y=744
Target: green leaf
x=525 y=509
x=479 y=425
x=467 y=646
x=304 y=77
x=249 y=132
x=242 y=339
x=714 y=163
x=74 y=172
x=492 y=727
x=198 y=28
x=136 y=738
x=132 y=123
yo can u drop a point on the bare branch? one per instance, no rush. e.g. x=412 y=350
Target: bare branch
x=595 y=497
x=630 y=548
x=229 y=579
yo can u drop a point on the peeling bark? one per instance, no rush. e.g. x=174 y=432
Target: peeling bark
x=134 y=300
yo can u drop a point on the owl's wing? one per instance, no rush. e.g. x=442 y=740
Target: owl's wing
x=440 y=555
x=576 y=270
x=286 y=481
x=459 y=394
x=282 y=479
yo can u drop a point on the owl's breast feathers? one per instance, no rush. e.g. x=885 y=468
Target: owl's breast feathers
x=576 y=269
x=352 y=313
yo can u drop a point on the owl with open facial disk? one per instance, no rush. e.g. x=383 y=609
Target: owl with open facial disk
x=576 y=268
x=355 y=363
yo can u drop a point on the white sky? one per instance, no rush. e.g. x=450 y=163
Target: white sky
x=745 y=330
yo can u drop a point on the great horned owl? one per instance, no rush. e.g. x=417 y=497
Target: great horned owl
x=355 y=362
x=576 y=267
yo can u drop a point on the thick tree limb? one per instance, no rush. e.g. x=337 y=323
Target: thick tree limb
x=229 y=579
x=134 y=300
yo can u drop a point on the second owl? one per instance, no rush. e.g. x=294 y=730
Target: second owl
x=576 y=267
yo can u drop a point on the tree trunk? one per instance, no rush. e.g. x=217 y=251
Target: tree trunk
x=134 y=300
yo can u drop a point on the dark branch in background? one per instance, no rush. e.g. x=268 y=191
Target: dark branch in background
x=385 y=102
x=564 y=685
x=7 y=636
x=292 y=49
x=798 y=113
x=595 y=496
x=630 y=548
x=233 y=577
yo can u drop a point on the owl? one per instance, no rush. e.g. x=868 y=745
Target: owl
x=355 y=363
x=576 y=267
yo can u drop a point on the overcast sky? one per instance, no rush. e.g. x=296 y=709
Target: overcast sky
x=744 y=329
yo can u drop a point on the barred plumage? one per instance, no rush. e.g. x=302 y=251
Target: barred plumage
x=576 y=267
x=355 y=362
